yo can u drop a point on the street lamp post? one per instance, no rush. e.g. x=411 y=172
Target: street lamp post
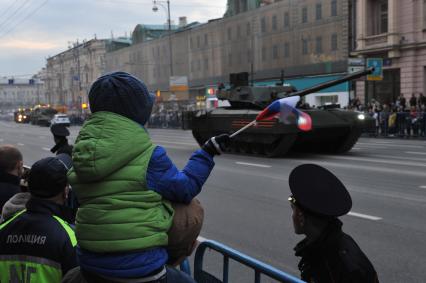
x=155 y=9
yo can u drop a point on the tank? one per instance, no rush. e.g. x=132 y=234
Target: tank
x=334 y=130
x=42 y=114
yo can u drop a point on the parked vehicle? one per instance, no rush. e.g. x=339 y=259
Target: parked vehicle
x=60 y=119
x=42 y=115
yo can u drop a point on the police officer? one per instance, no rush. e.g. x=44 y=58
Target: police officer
x=328 y=254
x=60 y=134
x=37 y=244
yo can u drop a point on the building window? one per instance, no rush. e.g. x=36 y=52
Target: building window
x=318 y=45
x=378 y=17
x=206 y=63
x=274 y=22
x=304 y=15
x=238 y=31
x=286 y=20
x=248 y=28
x=333 y=8
x=229 y=33
x=275 y=52
x=206 y=39
x=286 y=50
x=304 y=46
x=263 y=54
x=263 y=25
x=318 y=12
x=334 y=42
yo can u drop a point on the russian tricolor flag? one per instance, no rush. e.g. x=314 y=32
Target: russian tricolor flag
x=285 y=108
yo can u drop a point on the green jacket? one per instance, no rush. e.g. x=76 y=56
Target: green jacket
x=117 y=212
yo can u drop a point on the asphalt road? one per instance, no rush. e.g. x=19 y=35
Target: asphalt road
x=245 y=198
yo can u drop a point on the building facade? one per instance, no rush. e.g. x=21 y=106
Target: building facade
x=16 y=93
x=302 y=38
x=394 y=30
x=69 y=74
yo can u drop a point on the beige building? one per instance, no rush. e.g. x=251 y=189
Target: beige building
x=301 y=37
x=394 y=30
x=17 y=92
x=69 y=74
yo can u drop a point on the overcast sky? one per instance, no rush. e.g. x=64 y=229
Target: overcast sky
x=31 y=30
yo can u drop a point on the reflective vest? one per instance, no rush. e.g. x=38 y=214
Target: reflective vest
x=22 y=268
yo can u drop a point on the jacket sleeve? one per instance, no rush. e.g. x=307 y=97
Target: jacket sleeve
x=178 y=186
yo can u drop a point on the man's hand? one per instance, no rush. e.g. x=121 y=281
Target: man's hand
x=216 y=145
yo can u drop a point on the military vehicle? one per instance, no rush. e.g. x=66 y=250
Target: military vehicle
x=41 y=115
x=334 y=130
x=22 y=115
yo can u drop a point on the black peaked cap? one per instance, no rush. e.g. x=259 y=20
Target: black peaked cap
x=319 y=191
x=59 y=130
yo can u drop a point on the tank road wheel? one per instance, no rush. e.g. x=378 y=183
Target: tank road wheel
x=256 y=148
x=244 y=147
x=281 y=146
x=348 y=141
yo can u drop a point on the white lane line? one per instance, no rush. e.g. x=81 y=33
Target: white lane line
x=254 y=164
x=201 y=239
x=422 y=187
x=365 y=216
x=380 y=161
x=45 y=148
x=416 y=152
x=21 y=144
x=385 y=145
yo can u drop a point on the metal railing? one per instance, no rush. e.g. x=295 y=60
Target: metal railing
x=259 y=268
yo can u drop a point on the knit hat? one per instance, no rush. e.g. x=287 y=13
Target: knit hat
x=123 y=94
x=48 y=176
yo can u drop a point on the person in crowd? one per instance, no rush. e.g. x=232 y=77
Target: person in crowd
x=37 y=244
x=327 y=254
x=413 y=100
x=11 y=169
x=421 y=100
x=402 y=101
x=138 y=212
x=60 y=134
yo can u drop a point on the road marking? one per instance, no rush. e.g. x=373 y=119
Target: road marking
x=201 y=239
x=416 y=152
x=365 y=216
x=385 y=145
x=45 y=148
x=422 y=187
x=380 y=161
x=254 y=164
x=21 y=144
x=183 y=143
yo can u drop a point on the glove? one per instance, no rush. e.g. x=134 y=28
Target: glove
x=216 y=145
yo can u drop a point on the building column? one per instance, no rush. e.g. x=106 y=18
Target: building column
x=393 y=32
x=361 y=23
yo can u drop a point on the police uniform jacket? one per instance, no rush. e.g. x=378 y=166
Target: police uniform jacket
x=334 y=258
x=37 y=244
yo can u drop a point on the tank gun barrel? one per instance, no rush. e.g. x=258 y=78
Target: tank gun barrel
x=325 y=85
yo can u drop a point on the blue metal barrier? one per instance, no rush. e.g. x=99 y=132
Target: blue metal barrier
x=259 y=267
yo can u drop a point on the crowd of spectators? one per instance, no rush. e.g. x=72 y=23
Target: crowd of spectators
x=401 y=118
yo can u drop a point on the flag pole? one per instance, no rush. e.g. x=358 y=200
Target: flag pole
x=243 y=128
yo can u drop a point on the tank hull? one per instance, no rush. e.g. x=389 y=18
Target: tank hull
x=333 y=131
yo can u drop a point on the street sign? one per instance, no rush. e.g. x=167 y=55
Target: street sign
x=377 y=63
x=360 y=62
x=354 y=69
